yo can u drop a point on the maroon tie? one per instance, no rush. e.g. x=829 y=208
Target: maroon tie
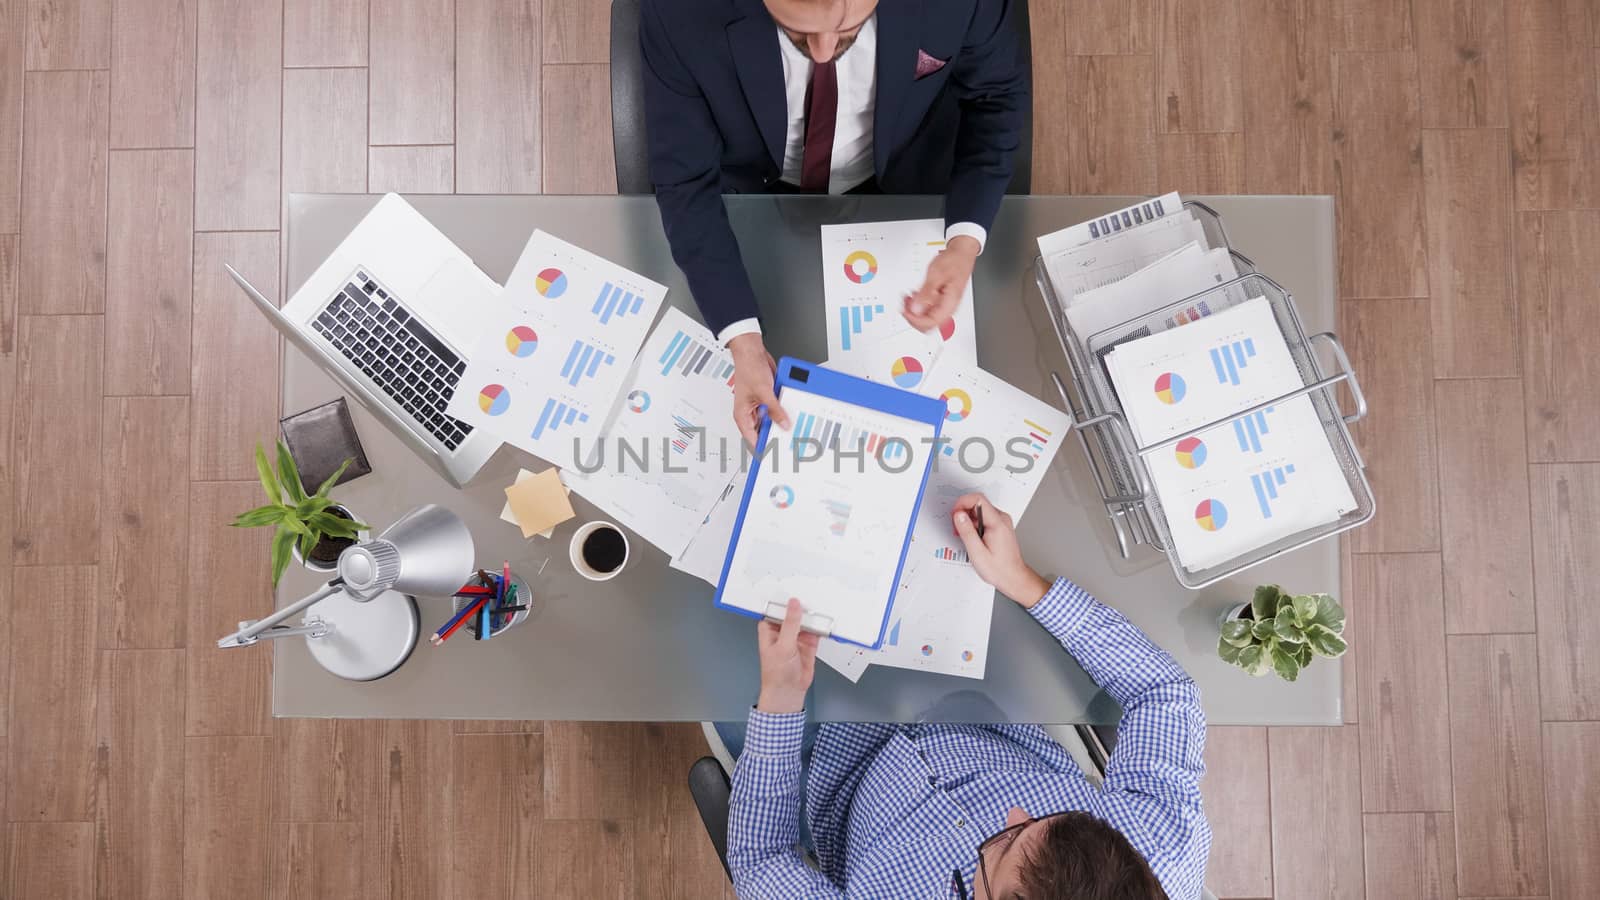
x=822 y=104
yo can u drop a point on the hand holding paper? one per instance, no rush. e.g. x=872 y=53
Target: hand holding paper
x=996 y=555
x=788 y=662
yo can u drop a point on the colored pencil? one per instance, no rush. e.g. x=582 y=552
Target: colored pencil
x=449 y=628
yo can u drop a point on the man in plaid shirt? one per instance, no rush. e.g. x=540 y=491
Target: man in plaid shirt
x=976 y=811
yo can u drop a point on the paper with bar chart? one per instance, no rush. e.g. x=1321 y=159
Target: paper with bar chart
x=867 y=270
x=1249 y=482
x=668 y=448
x=554 y=354
x=826 y=531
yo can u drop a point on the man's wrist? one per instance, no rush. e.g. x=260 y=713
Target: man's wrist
x=749 y=342
x=1027 y=589
x=966 y=244
x=780 y=702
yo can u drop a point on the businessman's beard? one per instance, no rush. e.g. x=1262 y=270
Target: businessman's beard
x=845 y=43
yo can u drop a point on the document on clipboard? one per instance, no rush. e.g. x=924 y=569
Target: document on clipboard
x=828 y=506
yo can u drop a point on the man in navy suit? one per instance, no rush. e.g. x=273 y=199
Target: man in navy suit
x=825 y=96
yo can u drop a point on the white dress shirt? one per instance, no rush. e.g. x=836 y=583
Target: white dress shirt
x=851 y=161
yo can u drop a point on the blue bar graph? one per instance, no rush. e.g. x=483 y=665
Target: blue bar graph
x=691 y=357
x=834 y=435
x=852 y=317
x=1228 y=359
x=894 y=634
x=1249 y=429
x=614 y=301
x=584 y=361
x=554 y=415
x=1266 y=486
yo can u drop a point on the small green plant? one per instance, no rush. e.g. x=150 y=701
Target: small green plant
x=300 y=519
x=1283 y=632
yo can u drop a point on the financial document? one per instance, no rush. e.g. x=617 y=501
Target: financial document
x=553 y=356
x=867 y=271
x=669 y=445
x=1246 y=483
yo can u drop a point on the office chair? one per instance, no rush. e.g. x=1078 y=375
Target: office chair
x=628 y=138
x=708 y=777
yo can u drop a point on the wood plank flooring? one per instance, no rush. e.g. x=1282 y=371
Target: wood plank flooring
x=144 y=143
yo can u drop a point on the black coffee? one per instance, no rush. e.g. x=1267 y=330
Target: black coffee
x=605 y=550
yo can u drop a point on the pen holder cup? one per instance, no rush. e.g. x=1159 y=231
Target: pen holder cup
x=500 y=624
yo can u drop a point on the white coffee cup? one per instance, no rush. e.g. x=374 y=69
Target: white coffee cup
x=575 y=551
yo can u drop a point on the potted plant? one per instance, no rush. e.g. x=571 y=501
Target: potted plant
x=313 y=528
x=1280 y=633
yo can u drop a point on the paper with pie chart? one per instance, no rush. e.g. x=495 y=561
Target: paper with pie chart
x=554 y=353
x=1247 y=483
x=669 y=445
x=867 y=270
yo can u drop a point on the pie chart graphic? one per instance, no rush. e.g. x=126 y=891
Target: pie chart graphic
x=906 y=372
x=550 y=283
x=782 y=496
x=1191 y=453
x=1211 y=515
x=494 y=399
x=927 y=649
x=860 y=267
x=638 y=401
x=957 y=404
x=966 y=656
x=522 y=341
x=948 y=329
x=1170 y=388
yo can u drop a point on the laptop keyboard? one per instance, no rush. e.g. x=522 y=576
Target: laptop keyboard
x=398 y=352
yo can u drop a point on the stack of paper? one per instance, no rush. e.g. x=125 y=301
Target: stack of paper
x=668 y=448
x=1250 y=482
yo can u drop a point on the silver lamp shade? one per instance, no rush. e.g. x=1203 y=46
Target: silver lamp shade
x=428 y=553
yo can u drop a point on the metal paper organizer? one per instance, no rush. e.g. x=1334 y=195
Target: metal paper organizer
x=1117 y=462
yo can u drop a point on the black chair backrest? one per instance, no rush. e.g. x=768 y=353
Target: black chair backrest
x=628 y=138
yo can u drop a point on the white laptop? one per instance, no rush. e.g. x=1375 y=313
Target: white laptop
x=392 y=314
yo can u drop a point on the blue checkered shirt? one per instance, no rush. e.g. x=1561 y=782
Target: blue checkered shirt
x=896 y=809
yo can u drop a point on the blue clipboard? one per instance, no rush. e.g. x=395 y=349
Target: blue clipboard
x=879 y=398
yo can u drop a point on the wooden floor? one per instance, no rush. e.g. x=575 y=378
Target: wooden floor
x=144 y=142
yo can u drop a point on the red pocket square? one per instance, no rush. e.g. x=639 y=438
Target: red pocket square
x=927 y=65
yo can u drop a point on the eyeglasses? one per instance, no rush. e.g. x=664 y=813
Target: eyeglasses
x=999 y=842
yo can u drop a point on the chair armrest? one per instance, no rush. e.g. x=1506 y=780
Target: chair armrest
x=708 y=783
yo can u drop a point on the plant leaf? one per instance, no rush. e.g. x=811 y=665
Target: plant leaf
x=281 y=544
x=1250 y=658
x=291 y=523
x=332 y=526
x=1305 y=609
x=1330 y=614
x=261 y=515
x=269 y=482
x=1284 y=663
x=1264 y=605
x=1325 y=643
x=1236 y=632
x=311 y=506
x=1303 y=655
x=289 y=475
x=1285 y=606
x=326 y=486
x=1228 y=652
x=309 y=542
x=1262 y=629
x=1287 y=631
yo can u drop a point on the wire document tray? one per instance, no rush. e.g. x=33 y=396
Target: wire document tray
x=1117 y=462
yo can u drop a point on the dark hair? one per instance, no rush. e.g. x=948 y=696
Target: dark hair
x=1083 y=858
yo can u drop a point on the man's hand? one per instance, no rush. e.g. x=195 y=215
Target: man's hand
x=788 y=662
x=753 y=368
x=935 y=302
x=996 y=555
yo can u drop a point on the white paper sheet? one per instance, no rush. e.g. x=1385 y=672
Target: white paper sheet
x=1235 y=488
x=673 y=416
x=1110 y=224
x=1077 y=270
x=708 y=548
x=1179 y=274
x=546 y=370
x=868 y=269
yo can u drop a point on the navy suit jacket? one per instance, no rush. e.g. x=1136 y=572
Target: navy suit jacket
x=715 y=111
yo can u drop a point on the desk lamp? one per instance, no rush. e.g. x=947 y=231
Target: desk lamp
x=365 y=624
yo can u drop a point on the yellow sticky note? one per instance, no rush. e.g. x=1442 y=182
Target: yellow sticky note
x=539 y=502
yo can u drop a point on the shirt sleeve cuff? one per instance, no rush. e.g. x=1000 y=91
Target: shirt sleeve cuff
x=970 y=229
x=751 y=325
x=1062 y=608
x=774 y=734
